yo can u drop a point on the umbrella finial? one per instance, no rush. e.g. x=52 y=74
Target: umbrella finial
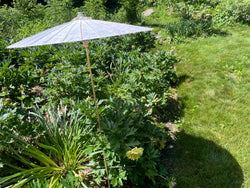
x=80 y=16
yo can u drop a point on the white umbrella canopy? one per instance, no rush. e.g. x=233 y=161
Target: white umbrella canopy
x=79 y=29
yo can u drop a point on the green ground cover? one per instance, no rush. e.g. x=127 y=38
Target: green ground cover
x=213 y=147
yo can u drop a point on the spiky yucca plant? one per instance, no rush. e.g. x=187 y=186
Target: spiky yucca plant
x=64 y=146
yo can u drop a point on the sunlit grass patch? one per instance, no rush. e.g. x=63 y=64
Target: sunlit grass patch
x=217 y=110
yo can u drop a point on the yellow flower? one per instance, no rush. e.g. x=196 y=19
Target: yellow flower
x=88 y=98
x=82 y=174
x=150 y=111
x=135 y=153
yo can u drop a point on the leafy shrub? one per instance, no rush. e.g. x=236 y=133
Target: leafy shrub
x=9 y=21
x=70 y=77
x=28 y=7
x=136 y=75
x=196 y=3
x=128 y=125
x=229 y=12
x=131 y=8
x=95 y=9
x=62 y=73
x=153 y=2
x=17 y=78
x=222 y=12
x=59 y=11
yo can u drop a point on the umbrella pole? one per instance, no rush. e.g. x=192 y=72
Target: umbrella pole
x=85 y=45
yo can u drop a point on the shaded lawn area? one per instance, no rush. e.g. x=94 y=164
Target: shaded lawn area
x=213 y=148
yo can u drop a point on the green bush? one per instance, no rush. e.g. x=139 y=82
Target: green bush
x=59 y=11
x=29 y=8
x=196 y=3
x=221 y=11
x=95 y=9
x=9 y=22
x=129 y=125
x=229 y=12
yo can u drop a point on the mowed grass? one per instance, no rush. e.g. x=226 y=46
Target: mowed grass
x=213 y=148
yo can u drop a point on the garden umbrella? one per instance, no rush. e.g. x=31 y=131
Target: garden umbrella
x=80 y=29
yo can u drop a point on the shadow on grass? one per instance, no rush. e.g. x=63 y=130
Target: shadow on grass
x=184 y=78
x=198 y=162
x=173 y=110
x=220 y=32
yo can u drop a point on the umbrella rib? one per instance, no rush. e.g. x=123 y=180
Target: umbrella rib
x=41 y=37
x=58 y=32
x=81 y=31
x=93 y=29
x=67 y=33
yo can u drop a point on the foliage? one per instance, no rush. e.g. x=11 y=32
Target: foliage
x=185 y=20
x=59 y=11
x=128 y=125
x=114 y=74
x=27 y=7
x=95 y=9
x=154 y=2
x=127 y=77
x=9 y=21
x=222 y=12
x=150 y=76
x=56 y=71
x=64 y=144
x=229 y=12
x=178 y=3
x=189 y=28
x=131 y=7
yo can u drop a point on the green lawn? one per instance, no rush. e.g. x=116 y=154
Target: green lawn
x=213 y=148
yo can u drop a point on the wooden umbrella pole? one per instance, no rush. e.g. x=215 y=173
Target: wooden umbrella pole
x=85 y=45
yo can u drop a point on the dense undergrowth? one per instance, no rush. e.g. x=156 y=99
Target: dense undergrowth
x=48 y=133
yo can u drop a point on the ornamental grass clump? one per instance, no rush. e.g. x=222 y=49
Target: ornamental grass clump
x=64 y=145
